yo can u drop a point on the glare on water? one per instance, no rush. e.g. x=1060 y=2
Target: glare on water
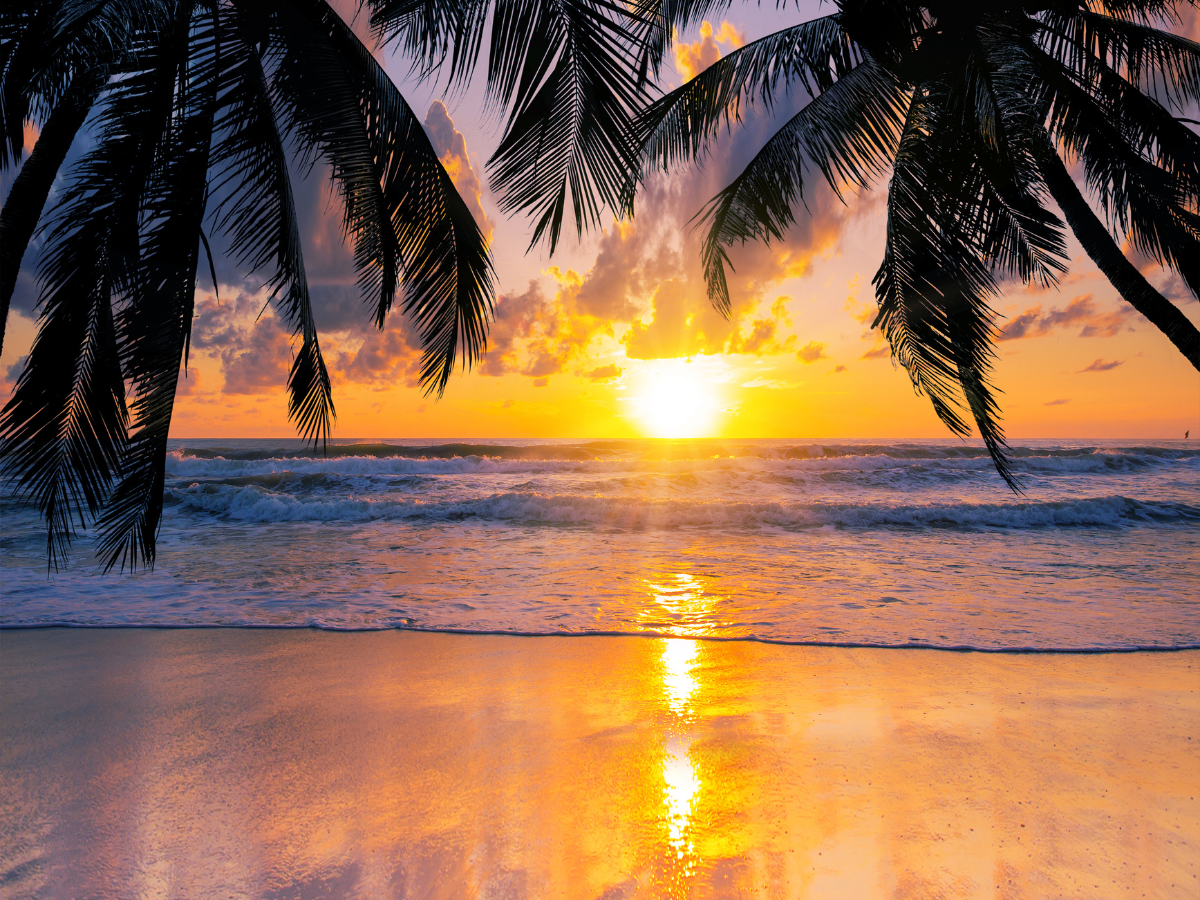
x=682 y=605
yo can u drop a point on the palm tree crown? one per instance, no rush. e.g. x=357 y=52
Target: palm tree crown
x=194 y=108
x=971 y=108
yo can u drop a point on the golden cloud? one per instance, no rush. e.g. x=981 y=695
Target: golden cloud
x=451 y=148
x=692 y=59
x=811 y=352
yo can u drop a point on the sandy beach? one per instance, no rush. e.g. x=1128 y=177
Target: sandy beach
x=307 y=764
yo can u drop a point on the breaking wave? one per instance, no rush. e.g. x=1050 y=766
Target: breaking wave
x=252 y=503
x=460 y=459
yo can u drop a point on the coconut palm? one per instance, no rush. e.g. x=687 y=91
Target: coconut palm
x=971 y=109
x=193 y=109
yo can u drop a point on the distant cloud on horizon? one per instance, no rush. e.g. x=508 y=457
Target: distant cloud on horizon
x=879 y=351
x=1057 y=402
x=811 y=352
x=1082 y=311
x=1102 y=366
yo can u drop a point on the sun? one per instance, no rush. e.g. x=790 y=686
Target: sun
x=675 y=406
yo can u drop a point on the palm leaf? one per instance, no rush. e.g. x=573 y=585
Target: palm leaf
x=933 y=284
x=572 y=88
x=65 y=426
x=155 y=325
x=1155 y=206
x=848 y=133
x=1158 y=62
x=401 y=206
x=680 y=125
x=257 y=211
x=27 y=196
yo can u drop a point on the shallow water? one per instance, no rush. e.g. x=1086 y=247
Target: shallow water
x=843 y=543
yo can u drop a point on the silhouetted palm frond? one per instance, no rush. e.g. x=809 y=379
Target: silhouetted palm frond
x=678 y=127
x=848 y=133
x=191 y=100
x=997 y=93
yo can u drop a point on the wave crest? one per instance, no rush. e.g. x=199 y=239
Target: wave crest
x=252 y=503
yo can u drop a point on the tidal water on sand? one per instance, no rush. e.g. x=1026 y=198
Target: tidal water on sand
x=863 y=543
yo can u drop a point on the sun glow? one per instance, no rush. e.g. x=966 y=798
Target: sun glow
x=675 y=404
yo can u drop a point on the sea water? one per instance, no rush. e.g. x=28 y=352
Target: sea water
x=847 y=542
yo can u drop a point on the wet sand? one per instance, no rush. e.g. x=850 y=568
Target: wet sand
x=302 y=764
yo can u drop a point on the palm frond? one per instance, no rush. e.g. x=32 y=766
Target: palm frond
x=933 y=284
x=154 y=327
x=27 y=197
x=1145 y=124
x=257 y=210
x=679 y=126
x=66 y=425
x=53 y=46
x=986 y=112
x=572 y=89
x=848 y=133
x=438 y=37
x=401 y=206
x=1154 y=206
x=1162 y=63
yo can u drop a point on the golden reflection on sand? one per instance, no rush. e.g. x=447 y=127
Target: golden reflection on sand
x=259 y=764
x=683 y=595
x=682 y=785
x=679 y=682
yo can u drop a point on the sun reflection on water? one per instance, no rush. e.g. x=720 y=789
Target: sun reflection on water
x=683 y=606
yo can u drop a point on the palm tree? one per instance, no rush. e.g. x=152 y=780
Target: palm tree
x=195 y=107
x=972 y=109
x=197 y=103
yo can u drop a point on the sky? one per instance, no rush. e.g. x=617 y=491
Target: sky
x=613 y=336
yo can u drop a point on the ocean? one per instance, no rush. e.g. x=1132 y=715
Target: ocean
x=853 y=543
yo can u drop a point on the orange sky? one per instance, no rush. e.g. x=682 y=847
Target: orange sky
x=614 y=337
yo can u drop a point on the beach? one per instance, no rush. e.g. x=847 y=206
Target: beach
x=307 y=763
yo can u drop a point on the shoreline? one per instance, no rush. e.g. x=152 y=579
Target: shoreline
x=294 y=762
x=650 y=635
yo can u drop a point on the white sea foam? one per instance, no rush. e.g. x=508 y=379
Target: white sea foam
x=1101 y=462
x=253 y=504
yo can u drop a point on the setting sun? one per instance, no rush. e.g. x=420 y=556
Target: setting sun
x=675 y=406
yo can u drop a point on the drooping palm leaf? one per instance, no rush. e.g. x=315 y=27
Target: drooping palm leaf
x=572 y=91
x=257 y=211
x=65 y=426
x=848 y=133
x=1157 y=63
x=678 y=127
x=27 y=196
x=401 y=205
x=933 y=285
x=154 y=326
x=1153 y=201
